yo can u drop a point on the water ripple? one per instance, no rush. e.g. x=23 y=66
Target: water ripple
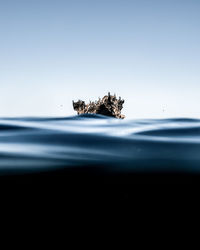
x=115 y=145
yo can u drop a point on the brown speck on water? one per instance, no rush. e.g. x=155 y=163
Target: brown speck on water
x=109 y=105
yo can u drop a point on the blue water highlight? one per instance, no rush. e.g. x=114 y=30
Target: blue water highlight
x=112 y=145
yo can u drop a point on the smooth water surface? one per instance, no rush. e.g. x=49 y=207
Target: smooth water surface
x=35 y=144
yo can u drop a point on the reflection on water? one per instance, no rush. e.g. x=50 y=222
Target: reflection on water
x=32 y=144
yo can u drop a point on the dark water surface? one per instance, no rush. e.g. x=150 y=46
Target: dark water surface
x=55 y=163
x=106 y=144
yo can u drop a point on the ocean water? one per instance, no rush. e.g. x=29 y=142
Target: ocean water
x=101 y=143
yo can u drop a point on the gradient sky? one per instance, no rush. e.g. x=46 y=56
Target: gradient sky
x=53 y=51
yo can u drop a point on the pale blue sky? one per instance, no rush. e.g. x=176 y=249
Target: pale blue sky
x=53 y=51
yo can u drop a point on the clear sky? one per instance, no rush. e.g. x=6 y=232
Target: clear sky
x=53 y=51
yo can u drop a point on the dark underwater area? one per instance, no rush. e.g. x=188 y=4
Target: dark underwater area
x=93 y=158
